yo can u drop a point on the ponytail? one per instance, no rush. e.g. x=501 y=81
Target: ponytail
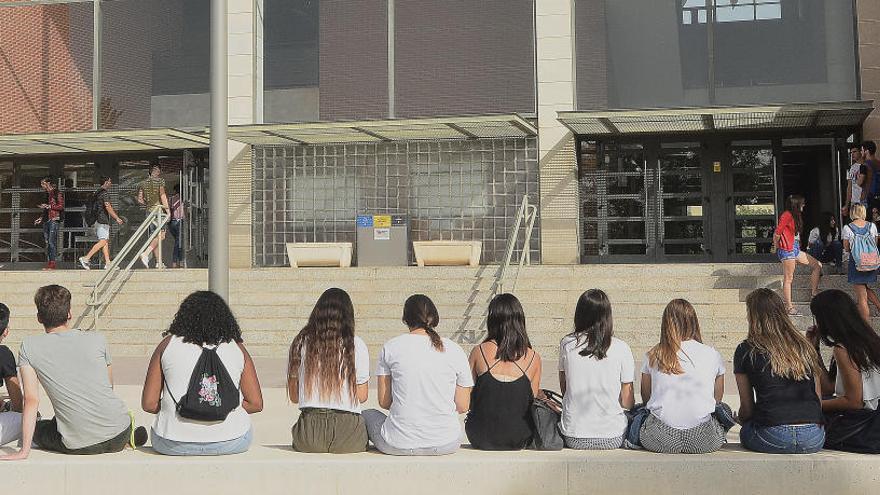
x=436 y=341
x=420 y=312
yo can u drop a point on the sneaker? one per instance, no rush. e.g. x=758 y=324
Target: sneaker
x=49 y=266
x=145 y=259
x=85 y=263
x=140 y=436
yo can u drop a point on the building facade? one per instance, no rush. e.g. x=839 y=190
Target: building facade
x=646 y=130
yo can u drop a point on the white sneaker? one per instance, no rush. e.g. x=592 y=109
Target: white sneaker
x=85 y=263
x=145 y=259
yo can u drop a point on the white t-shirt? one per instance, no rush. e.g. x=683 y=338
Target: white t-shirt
x=591 y=406
x=870 y=388
x=814 y=236
x=853 y=176
x=343 y=402
x=178 y=362
x=849 y=235
x=686 y=400
x=423 y=382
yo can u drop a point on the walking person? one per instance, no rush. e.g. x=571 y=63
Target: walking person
x=204 y=330
x=777 y=372
x=105 y=211
x=787 y=242
x=151 y=195
x=596 y=373
x=425 y=382
x=175 y=225
x=53 y=208
x=857 y=178
x=507 y=377
x=824 y=241
x=859 y=239
x=328 y=375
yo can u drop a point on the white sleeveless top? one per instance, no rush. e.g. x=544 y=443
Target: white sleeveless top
x=178 y=362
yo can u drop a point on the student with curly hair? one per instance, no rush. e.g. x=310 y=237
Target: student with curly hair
x=204 y=320
x=328 y=375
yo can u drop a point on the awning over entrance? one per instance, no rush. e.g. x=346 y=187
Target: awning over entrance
x=101 y=141
x=694 y=120
x=483 y=126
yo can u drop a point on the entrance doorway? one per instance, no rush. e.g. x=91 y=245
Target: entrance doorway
x=690 y=200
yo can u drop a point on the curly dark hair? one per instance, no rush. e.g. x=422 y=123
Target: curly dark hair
x=204 y=318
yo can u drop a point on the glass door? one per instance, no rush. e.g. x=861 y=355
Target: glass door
x=751 y=199
x=682 y=227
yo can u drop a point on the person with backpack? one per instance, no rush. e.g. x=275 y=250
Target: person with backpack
x=850 y=386
x=201 y=382
x=787 y=243
x=328 y=375
x=53 y=208
x=99 y=211
x=860 y=240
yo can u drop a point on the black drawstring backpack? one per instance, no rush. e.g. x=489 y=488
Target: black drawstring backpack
x=210 y=395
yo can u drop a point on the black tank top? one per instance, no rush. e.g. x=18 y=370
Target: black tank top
x=500 y=417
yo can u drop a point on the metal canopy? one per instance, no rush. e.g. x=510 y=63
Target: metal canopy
x=100 y=142
x=374 y=131
x=694 y=120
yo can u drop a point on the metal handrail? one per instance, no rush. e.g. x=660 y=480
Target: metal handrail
x=527 y=213
x=119 y=269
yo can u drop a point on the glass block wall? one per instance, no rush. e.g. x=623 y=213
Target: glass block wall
x=450 y=190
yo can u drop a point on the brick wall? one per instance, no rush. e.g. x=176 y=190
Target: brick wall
x=45 y=68
x=869 y=57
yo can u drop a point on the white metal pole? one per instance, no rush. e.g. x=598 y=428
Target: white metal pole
x=218 y=216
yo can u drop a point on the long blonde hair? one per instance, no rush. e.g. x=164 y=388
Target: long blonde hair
x=679 y=324
x=772 y=334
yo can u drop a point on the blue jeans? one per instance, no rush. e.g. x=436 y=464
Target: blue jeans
x=174 y=227
x=172 y=447
x=832 y=252
x=50 y=235
x=782 y=439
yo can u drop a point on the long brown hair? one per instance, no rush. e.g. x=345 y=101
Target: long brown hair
x=772 y=334
x=679 y=324
x=419 y=312
x=794 y=204
x=328 y=341
x=506 y=326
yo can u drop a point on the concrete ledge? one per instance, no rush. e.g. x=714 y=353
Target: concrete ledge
x=447 y=253
x=319 y=254
x=271 y=470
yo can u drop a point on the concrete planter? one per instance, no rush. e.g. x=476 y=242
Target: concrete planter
x=319 y=254
x=431 y=253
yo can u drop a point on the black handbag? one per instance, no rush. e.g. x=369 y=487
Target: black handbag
x=545 y=416
x=853 y=431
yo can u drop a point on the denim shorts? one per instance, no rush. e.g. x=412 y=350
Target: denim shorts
x=102 y=231
x=793 y=253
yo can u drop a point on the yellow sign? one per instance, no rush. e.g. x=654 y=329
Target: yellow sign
x=381 y=221
x=716 y=167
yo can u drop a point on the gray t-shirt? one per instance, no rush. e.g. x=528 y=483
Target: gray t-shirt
x=72 y=367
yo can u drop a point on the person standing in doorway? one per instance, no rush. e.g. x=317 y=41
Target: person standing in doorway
x=872 y=179
x=53 y=208
x=151 y=195
x=175 y=225
x=786 y=241
x=857 y=184
x=105 y=210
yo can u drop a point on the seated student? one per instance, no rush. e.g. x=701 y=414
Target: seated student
x=10 y=411
x=74 y=368
x=425 y=382
x=824 y=242
x=203 y=321
x=683 y=384
x=851 y=392
x=328 y=375
x=775 y=368
x=501 y=400
x=596 y=377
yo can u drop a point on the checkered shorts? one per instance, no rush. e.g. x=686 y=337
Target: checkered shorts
x=593 y=443
x=657 y=436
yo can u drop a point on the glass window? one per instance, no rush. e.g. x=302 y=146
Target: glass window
x=652 y=53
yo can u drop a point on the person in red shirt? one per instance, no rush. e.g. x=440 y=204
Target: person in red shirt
x=51 y=219
x=786 y=242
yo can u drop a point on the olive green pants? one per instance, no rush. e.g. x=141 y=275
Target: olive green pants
x=329 y=431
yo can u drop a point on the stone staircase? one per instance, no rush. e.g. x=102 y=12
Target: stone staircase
x=273 y=304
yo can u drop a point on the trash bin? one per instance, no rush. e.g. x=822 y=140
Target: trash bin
x=382 y=240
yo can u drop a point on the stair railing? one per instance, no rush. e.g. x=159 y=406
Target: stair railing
x=526 y=216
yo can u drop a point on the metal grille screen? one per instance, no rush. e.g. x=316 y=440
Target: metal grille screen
x=459 y=190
